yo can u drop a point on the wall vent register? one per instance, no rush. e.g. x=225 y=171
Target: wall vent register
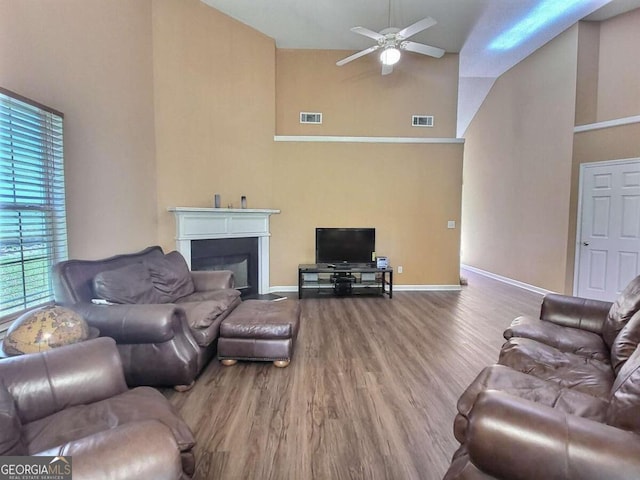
x=422 y=120
x=311 y=117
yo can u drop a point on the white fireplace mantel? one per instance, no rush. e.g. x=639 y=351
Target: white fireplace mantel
x=194 y=223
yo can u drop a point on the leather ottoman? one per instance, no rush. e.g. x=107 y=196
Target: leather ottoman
x=260 y=330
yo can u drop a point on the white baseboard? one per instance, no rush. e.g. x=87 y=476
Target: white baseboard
x=396 y=288
x=426 y=288
x=286 y=288
x=510 y=281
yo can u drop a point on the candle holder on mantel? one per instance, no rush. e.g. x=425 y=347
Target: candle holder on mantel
x=243 y=202
x=216 y=200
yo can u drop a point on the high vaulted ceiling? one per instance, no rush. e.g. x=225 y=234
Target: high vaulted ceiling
x=472 y=28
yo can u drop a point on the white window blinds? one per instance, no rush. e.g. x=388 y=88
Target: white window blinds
x=33 y=232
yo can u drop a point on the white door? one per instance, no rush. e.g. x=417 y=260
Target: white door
x=608 y=252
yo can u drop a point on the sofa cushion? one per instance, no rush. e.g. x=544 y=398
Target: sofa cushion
x=129 y=284
x=507 y=380
x=587 y=375
x=142 y=403
x=11 y=442
x=565 y=339
x=203 y=314
x=227 y=296
x=206 y=335
x=170 y=275
x=626 y=342
x=625 y=396
x=625 y=306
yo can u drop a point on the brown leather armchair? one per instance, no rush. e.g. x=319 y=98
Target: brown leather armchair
x=162 y=339
x=563 y=400
x=512 y=438
x=73 y=400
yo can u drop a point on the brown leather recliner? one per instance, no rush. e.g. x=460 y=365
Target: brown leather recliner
x=563 y=401
x=166 y=333
x=73 y=401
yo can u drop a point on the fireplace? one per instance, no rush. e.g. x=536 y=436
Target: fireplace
x=195 y=225
x=240 y=255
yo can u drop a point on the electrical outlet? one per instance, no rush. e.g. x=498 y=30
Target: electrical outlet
x=451 y=224
x=400 y=269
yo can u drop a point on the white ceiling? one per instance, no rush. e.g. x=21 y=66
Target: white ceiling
x=464 y=26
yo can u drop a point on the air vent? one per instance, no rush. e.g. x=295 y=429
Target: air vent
x=422 y=120
x=309 y=117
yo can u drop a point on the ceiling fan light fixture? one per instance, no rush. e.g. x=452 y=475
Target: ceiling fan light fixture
x=390 y=56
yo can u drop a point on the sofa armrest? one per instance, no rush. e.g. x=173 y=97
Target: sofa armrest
x=509 y=437
x=134 y=450
x=575 y=312
x=47 y=382
x=150 y=323
x=212 y=279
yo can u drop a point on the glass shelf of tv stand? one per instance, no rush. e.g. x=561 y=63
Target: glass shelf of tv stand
x=343 y=280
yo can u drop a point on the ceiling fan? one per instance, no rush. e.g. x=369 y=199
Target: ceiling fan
x=392 y=41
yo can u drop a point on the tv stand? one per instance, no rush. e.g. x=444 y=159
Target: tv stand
x=344 y=280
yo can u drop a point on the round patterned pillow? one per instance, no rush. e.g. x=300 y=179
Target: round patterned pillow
x=43 y=329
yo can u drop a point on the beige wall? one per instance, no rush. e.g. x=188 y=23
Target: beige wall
x=619 y=71
x=168 y=102
x=518 y=166
x=407 y=192
x=607 y=87
x=214 y=88
x=91 y=59
x=357 y=100
x=618 y=96
x=596 y=146
x=588 y=70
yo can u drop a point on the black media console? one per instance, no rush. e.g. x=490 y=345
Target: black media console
x=342 y=280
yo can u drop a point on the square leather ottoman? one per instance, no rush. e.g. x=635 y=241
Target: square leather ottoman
x=260 y=330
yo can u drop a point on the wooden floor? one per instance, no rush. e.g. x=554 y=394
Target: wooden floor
x=370 y=393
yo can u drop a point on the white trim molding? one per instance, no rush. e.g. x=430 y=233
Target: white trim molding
x=193 y=223
x=584 y=167
x=342 y=139
x=396 y=288
x=607 y=124
x=284 y=288
x=507 y=280
x=426 y=288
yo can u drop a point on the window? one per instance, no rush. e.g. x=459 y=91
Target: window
x=33 y=232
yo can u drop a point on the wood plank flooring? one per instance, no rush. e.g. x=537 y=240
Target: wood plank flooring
x=370 y=393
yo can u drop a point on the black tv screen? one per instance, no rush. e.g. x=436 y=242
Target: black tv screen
x=345 y=245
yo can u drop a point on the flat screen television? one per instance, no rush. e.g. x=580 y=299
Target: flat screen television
x=345 y=245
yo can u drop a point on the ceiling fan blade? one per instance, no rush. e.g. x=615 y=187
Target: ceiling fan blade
x=420 y=25
x=387 y=69
x=368 y=33
x=361 y=53
x=423 y=49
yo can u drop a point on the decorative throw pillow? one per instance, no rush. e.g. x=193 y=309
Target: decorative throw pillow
x=627 y=303
x=170 y=275
x=11 y=442
x=129 y=284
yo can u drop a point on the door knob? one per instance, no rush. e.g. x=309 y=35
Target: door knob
x=586 y=244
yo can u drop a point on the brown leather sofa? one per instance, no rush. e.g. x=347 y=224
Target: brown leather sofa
x=164 y=318
x=74 y=401
x=563 y=402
